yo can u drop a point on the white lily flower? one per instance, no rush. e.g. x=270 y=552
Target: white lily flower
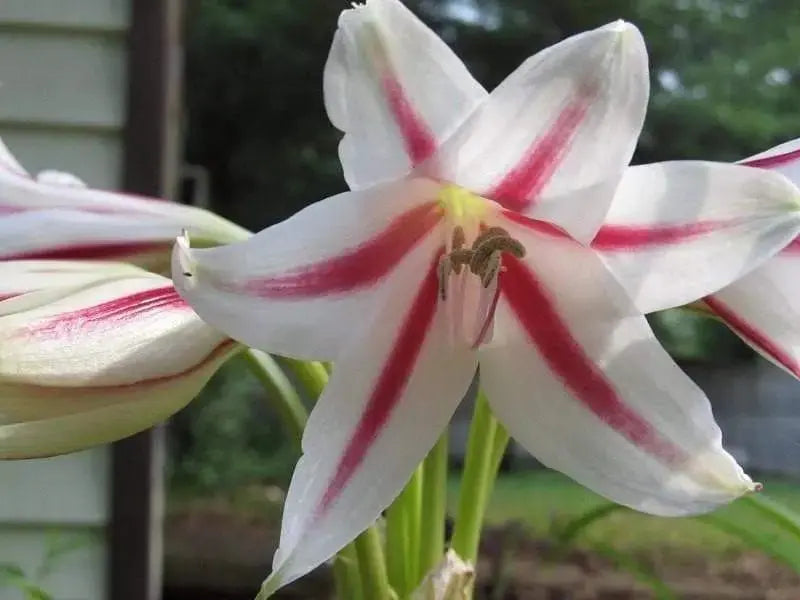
x=763 y=306
x=457 y=246
x=55 y=216
x=92 y=353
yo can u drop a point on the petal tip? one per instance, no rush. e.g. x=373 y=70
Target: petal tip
x=184 y=266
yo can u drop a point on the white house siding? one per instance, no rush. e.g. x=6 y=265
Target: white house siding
x=62 y=105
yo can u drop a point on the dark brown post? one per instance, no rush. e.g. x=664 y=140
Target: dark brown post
x=150 y=167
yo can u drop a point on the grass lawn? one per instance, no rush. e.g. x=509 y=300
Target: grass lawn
x=541 y=499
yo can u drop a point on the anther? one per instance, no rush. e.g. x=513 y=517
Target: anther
x=490 y=269
x=487 y=233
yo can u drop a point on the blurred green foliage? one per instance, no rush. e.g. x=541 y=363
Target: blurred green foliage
x=229 y=436
x=724 y=85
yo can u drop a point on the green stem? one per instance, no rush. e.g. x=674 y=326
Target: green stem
x=281 y=393
x=372 y=566
x=434 y=506
x=476 y=480
x=413 y=505
x=311 y=374
x=346 y=575
x=397 y=547
x=499 y=446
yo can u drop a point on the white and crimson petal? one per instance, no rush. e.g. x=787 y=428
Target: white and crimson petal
x=763 y=307
x=55 y=216
x=21 y=277
x=677 y=231
x=580 y=381
x=568 y=118
x=98 y=363
x=395 y=89
x=308 y=281
x=392 y=392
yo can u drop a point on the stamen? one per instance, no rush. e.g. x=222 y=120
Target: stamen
x=459 y=238
x=487 y=233
x=490 y=269
x=460 y=258
x=443 y=271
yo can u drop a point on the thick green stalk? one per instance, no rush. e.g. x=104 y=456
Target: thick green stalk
x=397 y=547
x=311 y=374
x=414 y=512
x=282 y=394
x=346 y=575
x=476 y=480
x=434 y=506
x=499 y=446
x=372 y=566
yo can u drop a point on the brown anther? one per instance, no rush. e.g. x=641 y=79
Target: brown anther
x=459 y=238
x=487 y=233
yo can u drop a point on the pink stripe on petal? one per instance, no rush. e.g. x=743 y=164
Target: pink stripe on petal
x=632 y=237
x=93 y=251
x=544 y=227
x=752 y=334
x=111 y=313
x=520 y=186
x=792 y=247
x=539 y=317
x=358 y=267
x=777 y=160
x=388 y=389
x=418 y=139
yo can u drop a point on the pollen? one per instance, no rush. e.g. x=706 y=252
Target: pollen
x=460 y=205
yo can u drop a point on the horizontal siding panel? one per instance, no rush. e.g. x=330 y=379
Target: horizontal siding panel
x=65 y=490
x=64 y=78
x=79 y=573
x=95 y=158
x=100 y=14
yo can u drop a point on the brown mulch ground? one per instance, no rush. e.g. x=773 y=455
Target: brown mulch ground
x=212 y=555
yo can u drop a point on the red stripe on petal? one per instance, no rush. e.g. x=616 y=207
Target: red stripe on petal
x=361 y=266
x=777 y=160
x=418 y=139
x=632 y=237
x=538 y=314
x=95 y=251
x=544 y=227
x=520 y=186
x=752 y=334
x=792 y=247
x=111 y=313
x=388 y=389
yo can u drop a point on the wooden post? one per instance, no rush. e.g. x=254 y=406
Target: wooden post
x=152 y=144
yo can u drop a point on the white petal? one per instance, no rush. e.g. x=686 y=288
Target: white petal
x=568 y=118
x=302 y=287
x=395 y=89
x=784 y=158
x=53 y=177
x=578 y=378
x=57 y=217
x=763 y=308
x=28 y=283
x=99 y=363
x=391 y=394
x=677 y=231
x=9 y=162
x=61 y=420
x=109 y=334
